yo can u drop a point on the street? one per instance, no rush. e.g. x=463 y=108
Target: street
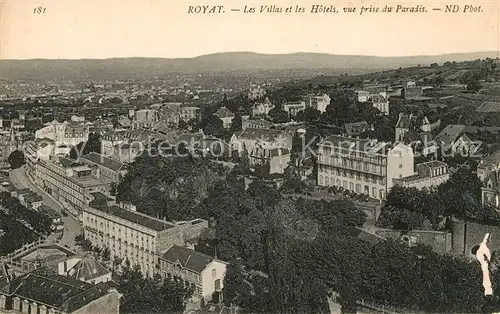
x=72 y=227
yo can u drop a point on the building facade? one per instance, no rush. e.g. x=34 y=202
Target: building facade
x=490 y=190
x=133 y=236
x=381 y=103
x=69 y=182
x=248 y=138
x=292 y=108
x=64 y=133
x=188 y=113
x=265 y=154
x=362 y=166
x=428 y=174
x=262 y=109
x=319 y=102
x=145 y=118
x=255 y=124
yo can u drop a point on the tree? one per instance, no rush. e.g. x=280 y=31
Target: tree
x=213 y=125
x=473 y=85
x=236 y=124
x=307 y=115
x=106 y=254
x=16 y=159
x=93 y=144
x=279 y=116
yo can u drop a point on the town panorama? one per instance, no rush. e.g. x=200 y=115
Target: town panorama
x=130 y=187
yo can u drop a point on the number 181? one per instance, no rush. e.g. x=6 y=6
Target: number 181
x=39 y=10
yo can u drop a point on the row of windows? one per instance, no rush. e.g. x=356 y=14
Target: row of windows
x=352 y=186
x=121 y=251
x=360 y=176
x=352 y=164
x=116 y=229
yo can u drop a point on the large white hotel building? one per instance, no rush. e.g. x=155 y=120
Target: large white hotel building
x=362 y=165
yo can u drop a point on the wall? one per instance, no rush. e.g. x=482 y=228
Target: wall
x=468 y=234
x=208 y=280
x=441 y=242
x=110 y=303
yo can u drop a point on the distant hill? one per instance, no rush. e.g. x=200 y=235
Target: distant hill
x=123 y=68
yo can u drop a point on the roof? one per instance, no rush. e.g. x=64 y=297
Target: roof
x=223 y=112
x=23 y=191
x=259 y=122
x=187 y=138
x=490 y=161
x=64 y=293
x=135 y=217
x=190 y=259
x=87 y=269
x=104 y=161
x=261 y=134
x=67 y=162
x=365 y=145
x=378 y=98
x=450 y=133
x=433 y=164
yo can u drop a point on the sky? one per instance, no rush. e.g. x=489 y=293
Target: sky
x=116 y=28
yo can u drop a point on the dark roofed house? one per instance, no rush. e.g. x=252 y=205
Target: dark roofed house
x=41 y=292
x=204 y=272
x=226 y=116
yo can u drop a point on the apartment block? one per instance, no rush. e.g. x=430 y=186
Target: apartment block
x=69 y=181
x=362 y=166
x=133 y=236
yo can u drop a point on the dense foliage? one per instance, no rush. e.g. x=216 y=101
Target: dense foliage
x=92 y=145
x=168 y=188
x=16 y=159
x=18 y=224
x=460 y=197
x=151 y=295
x=289 y=256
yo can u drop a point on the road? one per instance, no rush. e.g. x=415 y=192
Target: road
x=72 y=227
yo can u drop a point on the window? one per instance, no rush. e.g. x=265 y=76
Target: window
x=214 y=273
x=400 y=166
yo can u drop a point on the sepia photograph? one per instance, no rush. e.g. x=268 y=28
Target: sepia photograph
x=232 y=157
